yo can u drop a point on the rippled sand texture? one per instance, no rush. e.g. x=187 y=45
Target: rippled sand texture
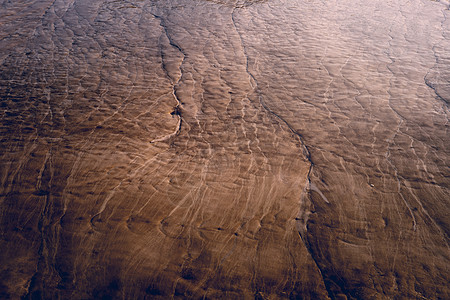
x=224 y=149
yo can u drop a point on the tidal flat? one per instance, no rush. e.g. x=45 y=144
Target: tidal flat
x=224 y=149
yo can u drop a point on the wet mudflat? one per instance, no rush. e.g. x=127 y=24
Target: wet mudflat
x=224 y=149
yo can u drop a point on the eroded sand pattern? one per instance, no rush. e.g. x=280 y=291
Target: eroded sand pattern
x=224 y=149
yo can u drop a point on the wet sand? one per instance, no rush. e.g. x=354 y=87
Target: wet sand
x=224 y=149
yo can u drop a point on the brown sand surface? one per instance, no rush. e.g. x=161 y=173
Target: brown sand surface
x=224 y=149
